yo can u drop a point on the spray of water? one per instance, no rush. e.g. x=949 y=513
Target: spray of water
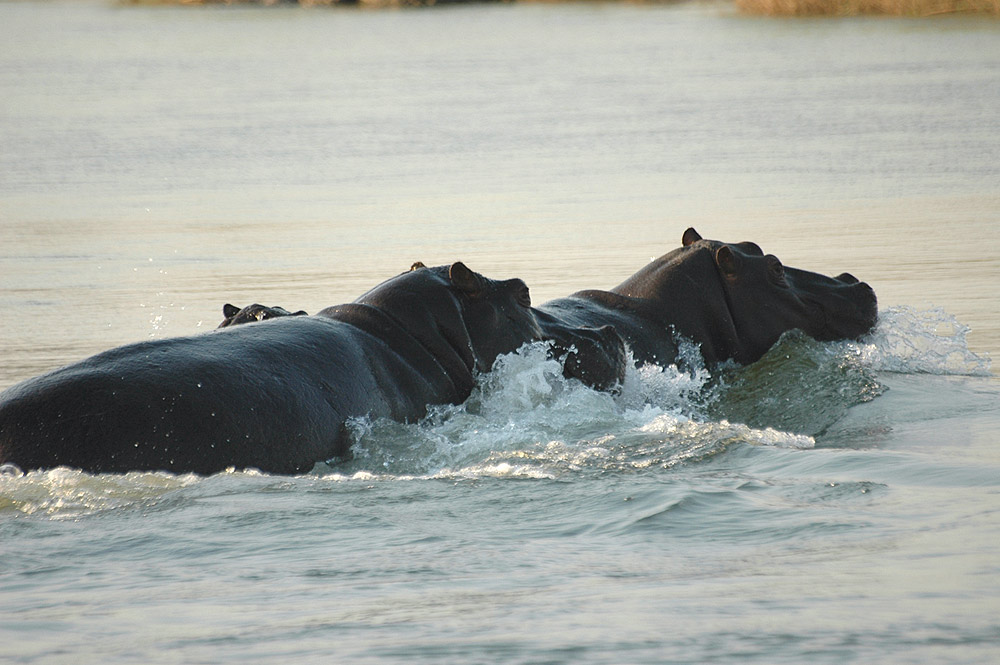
x=525 y=420
x=913 y=341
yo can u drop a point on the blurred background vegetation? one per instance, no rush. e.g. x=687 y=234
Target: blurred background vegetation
x=911 y=8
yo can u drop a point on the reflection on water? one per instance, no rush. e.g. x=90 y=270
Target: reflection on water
x=159 y=162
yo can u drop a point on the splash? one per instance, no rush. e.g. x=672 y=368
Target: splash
x=912 y=341
x=525 y=420
x=805 y=386
x=63 y=493
x=800 y=386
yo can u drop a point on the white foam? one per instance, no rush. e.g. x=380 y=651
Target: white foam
x=914 y=341
x=68 y=493
x=525 y=420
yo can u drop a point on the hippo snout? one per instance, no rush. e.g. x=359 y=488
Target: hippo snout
x=865 y=306
x=870 y=307
x=849 y=310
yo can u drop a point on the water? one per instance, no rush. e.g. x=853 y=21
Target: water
x=833 y=503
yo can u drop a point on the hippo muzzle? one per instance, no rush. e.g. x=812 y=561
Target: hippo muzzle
x=843 y=306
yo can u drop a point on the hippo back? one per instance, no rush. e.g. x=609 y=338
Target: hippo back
x=275 y=395
x=449 y=316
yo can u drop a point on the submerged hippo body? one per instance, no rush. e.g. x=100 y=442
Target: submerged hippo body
x=732 y=300
x=274 y=395
x=236 y=315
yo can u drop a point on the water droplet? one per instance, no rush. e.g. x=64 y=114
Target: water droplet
x=10 y=470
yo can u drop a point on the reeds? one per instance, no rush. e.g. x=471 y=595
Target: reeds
x=761 y=7
x=868 y=7
x=305 y=3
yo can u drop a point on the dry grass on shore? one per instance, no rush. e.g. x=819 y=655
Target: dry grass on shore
x=759 y=7
x=868 y=7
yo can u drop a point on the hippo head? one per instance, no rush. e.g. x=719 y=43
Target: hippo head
x=765 y=299
x=497 y=314
x=235 y=315
x=736 y=302
x=457 y=313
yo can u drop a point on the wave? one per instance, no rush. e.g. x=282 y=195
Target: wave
x=804 y=386
x=69 y=493
x=524 y=420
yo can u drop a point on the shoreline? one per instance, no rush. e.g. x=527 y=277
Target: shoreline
x=776 y=8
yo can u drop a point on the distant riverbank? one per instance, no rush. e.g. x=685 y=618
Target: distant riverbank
x=868 y=7
x=910 y=8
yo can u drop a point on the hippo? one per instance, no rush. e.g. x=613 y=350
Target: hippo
x=731 y=300
x=276 y=395
x=236 y=315
x=594 y=356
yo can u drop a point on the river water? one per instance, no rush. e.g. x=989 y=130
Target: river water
x=834 y=503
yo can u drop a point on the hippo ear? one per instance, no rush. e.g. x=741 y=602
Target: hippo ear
x=690 y=237
x=230 y=310
x=466 y=280
x=417 y=264
x=726 y=259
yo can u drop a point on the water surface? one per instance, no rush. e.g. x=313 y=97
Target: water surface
x=834 y=503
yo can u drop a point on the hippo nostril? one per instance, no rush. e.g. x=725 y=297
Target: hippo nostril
x=847 y=277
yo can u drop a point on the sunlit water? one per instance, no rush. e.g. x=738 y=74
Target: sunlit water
x=832 y=503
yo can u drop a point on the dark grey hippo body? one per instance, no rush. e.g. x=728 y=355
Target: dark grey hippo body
x=595 y=356
x=732 y=300
x=273 y=395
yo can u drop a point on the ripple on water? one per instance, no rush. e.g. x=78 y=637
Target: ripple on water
x=526 y=421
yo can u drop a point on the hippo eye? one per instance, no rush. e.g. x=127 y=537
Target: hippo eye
x=776 y=270
x=522 y=295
